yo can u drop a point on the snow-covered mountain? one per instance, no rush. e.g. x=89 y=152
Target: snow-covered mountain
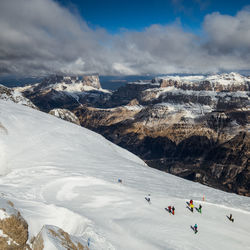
x=67 y=91
x=219 y=82
x=196 y=127
x=14 y=96
x=57 y=173
x=174 y=123
x=65 y=115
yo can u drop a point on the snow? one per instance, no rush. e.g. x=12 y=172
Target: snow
x=134 y=107
x=67 y=176
x=212 y=94
x=189 y=110
x=15 y=96
x=6 y=209
x=3 y=215
x=221 y=79
x=53 y=239
x=76 y=87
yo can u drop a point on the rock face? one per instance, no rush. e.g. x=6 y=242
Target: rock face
x=66 y=92
x=196 y=130
x=52 y=237
x=225 y=82
x=65 y=115
x=92 y=81
x=13 y=228
x=14 y=96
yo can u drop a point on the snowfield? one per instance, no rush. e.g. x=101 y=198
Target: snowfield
x=60 y=174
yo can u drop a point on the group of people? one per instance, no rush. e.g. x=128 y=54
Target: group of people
x=171 y=209
x=191 y=205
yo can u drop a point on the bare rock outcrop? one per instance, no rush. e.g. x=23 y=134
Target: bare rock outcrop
x=66 y=92
x=14 y=95
x=52 y=237
x=65 y=115
x=13 y=228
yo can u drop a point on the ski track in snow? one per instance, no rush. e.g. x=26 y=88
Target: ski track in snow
x=64 y=175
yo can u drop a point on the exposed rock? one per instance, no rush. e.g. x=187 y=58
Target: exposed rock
x=133 y=102
x=175 y=140
x=92 y=81
x=14 y=96
x=231 y=82
x=66 y=92
x=53 y=237
x=13 y=228
x=65 y=115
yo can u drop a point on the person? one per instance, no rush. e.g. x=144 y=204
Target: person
x=169 y=209
x=200 y=208
x=231 y=218
x=173 y=210
x=195 y=228
x=192 y=207
x=191 y=202
x=147 y=198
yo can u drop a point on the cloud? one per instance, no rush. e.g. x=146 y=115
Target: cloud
x=41 y=37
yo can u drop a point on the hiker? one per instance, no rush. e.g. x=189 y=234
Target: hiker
x=148 y=198
x=231 y=218
x=169 y=209
x=199 y=210
x=195 y=228
x=173 y=210
x=191 y=202
x=119 y=180
x=192 y=207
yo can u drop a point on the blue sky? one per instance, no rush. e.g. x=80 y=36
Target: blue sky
x=114 y=15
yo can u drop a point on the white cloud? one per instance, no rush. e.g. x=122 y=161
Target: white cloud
x=42 y=37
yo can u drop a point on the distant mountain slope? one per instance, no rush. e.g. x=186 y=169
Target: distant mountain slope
x=61 y=174
x=14 y=96
x=174 y=123
x=178 y=123
x=65 y=92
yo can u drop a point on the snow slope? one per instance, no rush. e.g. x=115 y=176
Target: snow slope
x=64 y=175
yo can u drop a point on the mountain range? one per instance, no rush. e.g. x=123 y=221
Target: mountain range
x=195 y=127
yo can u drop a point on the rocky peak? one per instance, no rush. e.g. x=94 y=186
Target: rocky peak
x=14 y=96
x=219 y=82
x=65 y=115
x=68 y=83
x=13 y=228
x=133 y=102
x=54 y=236
x=92 y=81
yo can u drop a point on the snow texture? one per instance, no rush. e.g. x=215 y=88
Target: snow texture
x=64 y=175
x=222 y=79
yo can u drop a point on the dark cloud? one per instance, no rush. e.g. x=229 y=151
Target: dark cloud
x=41 y=37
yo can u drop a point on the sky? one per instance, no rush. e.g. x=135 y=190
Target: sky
x=114 y=15
x=108 y=37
